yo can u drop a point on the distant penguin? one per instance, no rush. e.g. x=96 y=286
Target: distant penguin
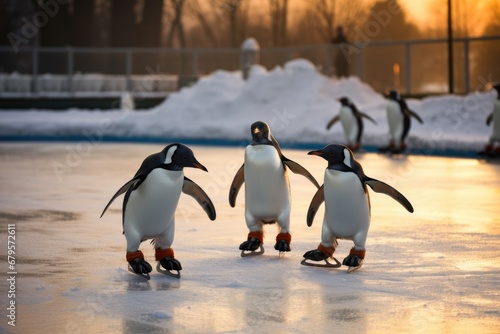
x=347 y=207
x=494 y=117
x=267 y=190
x=149 y=205
x=399 y=119
x=352 y=122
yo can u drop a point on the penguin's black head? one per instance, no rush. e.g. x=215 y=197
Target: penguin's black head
x=333 y=153
x=180 y=156
x=261 y=133
x=393 y=95
x=345 y=101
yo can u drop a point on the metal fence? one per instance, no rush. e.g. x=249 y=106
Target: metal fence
x=412 y=66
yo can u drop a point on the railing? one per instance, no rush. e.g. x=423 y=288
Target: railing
x=412 y=66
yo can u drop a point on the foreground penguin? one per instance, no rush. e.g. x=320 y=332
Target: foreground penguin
x=347 y=207
x=399 y=119
x=151 y=198
x=490 y=150
x=267 y=190
x=352 y=122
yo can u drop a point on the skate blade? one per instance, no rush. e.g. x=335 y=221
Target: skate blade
x=258 y=251
x=142 y=275
x=327 y=264
x=353 y=269
x=162 y=270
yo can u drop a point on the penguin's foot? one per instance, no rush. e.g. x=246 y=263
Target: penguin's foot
x=140 y=267
x=251 y=247
x=317 y=255
x=169 y=266
x=355 y=260
x=283 y=241
x=282 y=246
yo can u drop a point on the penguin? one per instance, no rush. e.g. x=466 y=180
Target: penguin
x=347 y=207
x=149 y=205
x=267 y=190
x=352 y=122
x=399 y=119
x=494 y=118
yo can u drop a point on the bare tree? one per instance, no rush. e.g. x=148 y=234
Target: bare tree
x=468 y=15
x=234 y=12
x=123 y=23
x=325 y=15
x=202 y=17
x=177 y=24
x=279 y=13
x=349 y=15
x=322 y=13
x=149 y=29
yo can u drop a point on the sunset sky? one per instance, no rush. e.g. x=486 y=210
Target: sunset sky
x=470 y=15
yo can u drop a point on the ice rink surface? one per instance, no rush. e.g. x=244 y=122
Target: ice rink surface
x=434 y=271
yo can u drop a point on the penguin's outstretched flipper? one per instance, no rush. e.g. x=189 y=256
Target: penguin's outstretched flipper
x=238 y=181
x=318 y=198
x=368 y=117
x=489 y=119
x=384 y=188
x=298 y=169
x=120 y=191
x=414 y=115
x=192 y=189
x=332 y=121
x=292 y=165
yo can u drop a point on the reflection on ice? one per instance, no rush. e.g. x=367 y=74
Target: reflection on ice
x=435 y=270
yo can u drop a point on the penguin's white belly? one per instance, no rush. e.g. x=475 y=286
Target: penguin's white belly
x=346 y=204
x=395 y=121
x=267 y=192
x=350 y=125
x=151 y=207
x=496 y=120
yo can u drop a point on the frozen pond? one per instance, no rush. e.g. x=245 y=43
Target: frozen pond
x=436 y=270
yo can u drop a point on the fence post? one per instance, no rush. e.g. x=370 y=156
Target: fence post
x=249 y=56
x=194 y=59
x=128 y=69
x=359 y=65
x=466 y=66
x=34 y=78
x=408 y=67
x=70 y=69
x=327 y=70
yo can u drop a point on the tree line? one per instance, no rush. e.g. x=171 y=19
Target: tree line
x=212 y=23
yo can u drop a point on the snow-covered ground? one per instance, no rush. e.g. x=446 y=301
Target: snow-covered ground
x=434 y=271
x=295 y=100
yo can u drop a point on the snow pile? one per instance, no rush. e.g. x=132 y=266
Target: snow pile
x=296 y=100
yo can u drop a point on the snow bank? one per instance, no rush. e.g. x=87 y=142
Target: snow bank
x=296 y=100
